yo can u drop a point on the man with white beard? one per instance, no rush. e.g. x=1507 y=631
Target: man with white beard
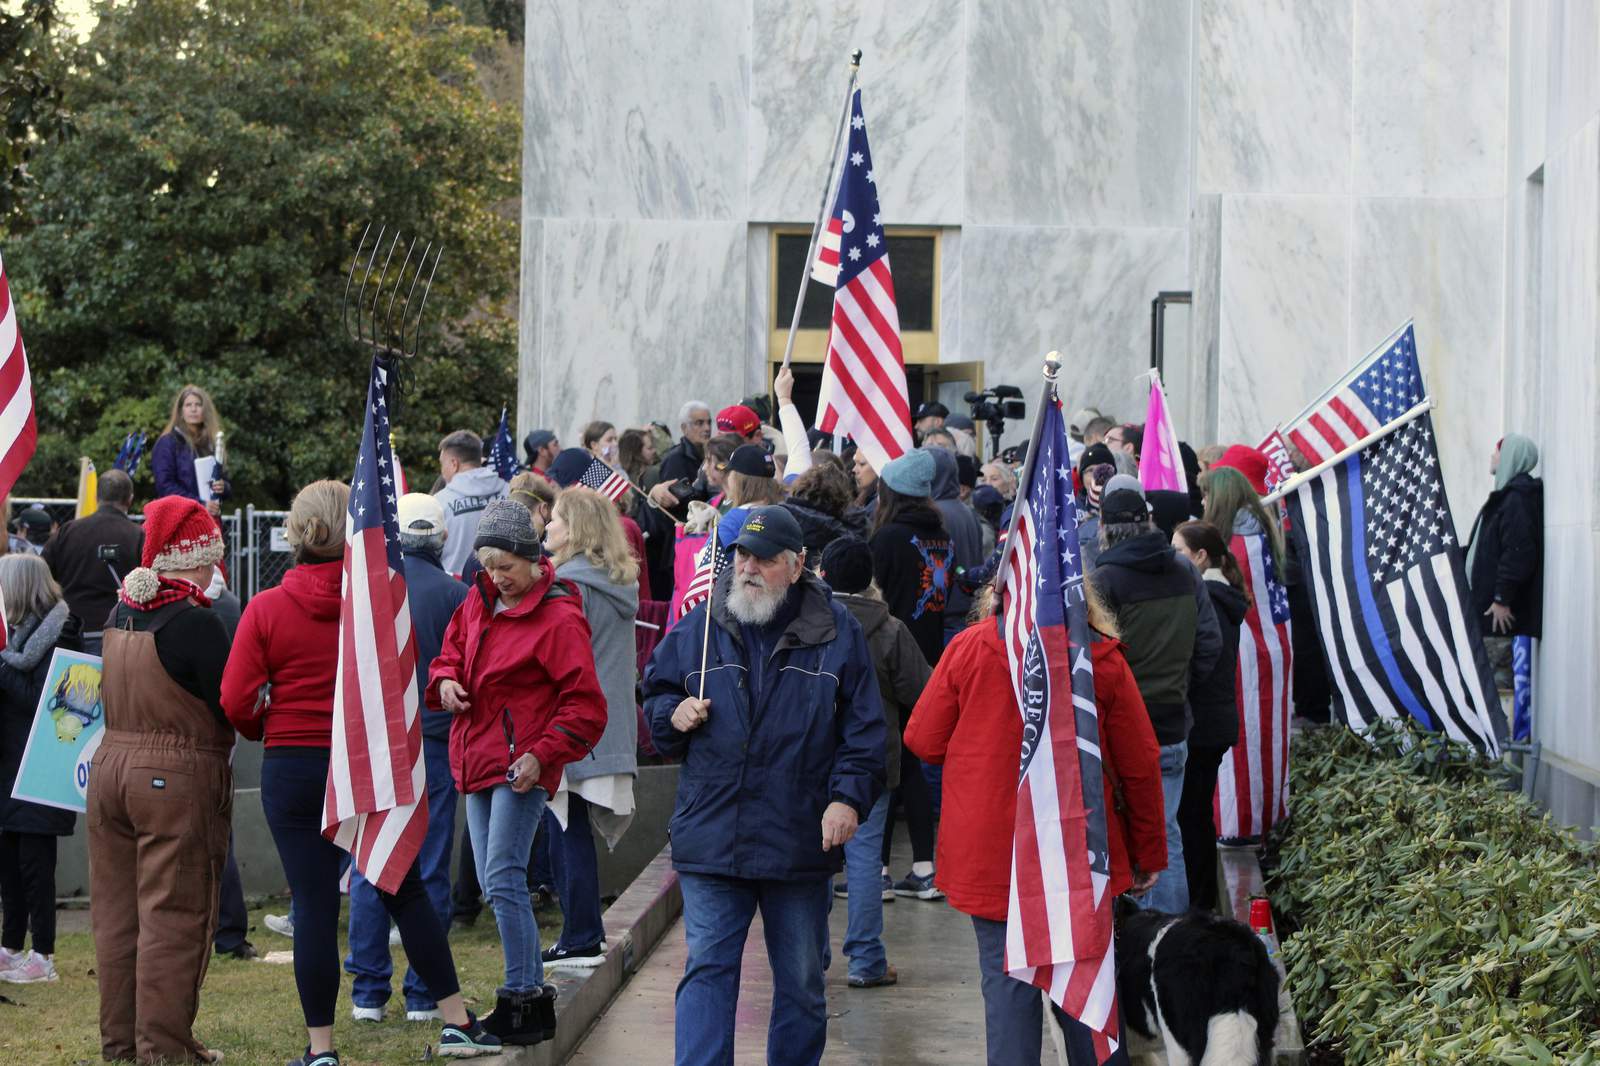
x=781 y=736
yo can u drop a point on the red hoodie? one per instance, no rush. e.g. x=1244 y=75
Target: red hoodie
x=967 y=721
x=288 y=638
x=529 y=669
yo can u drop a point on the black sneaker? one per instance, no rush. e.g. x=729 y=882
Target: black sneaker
x=558 y=957
x=325 y=1058
x=466 y=1041
x=244 y=952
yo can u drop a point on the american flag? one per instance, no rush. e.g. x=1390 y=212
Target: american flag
x=18 y=432
x=708 y=566
x=1253 y=780
x=863 y=390
x=376 y=806
x=1382 y=387
x=1058 y=924
x=503 y=450
x=1388 y=588
x=604 y=480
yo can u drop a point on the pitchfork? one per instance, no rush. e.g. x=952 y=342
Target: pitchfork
x=371 y=320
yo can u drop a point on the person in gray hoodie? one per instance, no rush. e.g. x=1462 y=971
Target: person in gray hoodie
x=587 y=545
x=965 y=536
x=469 y=488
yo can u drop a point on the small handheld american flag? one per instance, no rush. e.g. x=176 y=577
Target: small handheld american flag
x=376 y=806
x=604 y=480
x=708 y=566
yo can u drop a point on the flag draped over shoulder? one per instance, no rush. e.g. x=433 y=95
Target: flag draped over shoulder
x=1058 y=924
x=376 y=805
x=1389 y=592
x=863 y=393
x=1253 y=779
x=18 y=432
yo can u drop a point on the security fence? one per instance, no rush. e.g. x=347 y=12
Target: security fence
x=265 y=548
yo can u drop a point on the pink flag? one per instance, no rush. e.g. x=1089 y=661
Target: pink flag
x=1160 y=463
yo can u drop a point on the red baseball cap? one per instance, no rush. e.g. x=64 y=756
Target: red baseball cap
x=739 y=419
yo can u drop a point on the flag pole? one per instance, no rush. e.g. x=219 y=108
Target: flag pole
x=711 y=595
x=1052 y=366
x=827 y=202
x=1300 y=479
x=1347 y=376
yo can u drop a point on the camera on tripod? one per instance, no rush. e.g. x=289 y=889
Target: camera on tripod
x=994 y=406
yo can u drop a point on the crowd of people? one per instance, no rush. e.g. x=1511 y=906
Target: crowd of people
x=843 y=673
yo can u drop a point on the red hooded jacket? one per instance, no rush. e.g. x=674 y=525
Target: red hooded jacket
x=967 y=721
x=288 y=638
x=530 y=668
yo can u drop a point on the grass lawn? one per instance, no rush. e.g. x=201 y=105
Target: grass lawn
x=248 y=1009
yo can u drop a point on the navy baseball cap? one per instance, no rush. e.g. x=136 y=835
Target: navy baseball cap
x=768 y=531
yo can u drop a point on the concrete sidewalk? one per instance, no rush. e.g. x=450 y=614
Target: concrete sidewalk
x=934 y=1015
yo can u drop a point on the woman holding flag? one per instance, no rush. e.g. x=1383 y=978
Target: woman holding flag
x=279 y=685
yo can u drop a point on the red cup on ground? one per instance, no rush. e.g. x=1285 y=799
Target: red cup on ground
x=1260 y=914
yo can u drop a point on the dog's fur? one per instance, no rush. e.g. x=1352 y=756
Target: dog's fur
x=1204 y=982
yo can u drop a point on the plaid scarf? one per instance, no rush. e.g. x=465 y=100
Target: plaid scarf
x=173 y=590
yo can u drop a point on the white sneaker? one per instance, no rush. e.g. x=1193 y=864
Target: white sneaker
x=424 y=1016
x=367 y=1014
x=11 y=959
x=31 y=970
x=394 y=937
x=281 y=924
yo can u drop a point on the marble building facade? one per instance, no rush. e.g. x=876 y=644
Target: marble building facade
x=1314 y=172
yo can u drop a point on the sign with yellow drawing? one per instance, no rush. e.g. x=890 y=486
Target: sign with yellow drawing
x=66 y=733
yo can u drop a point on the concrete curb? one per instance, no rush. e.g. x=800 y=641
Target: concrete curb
x=635 y=924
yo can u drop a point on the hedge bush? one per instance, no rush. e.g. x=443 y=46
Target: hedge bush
x=1434 y=916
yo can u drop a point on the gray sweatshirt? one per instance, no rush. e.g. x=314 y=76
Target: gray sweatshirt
x=463 y=500
x=610 y=610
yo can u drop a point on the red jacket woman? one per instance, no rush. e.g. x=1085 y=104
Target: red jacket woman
x=967 y=721
x=529 y=670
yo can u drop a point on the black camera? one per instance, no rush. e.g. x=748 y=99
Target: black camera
x=994 y=406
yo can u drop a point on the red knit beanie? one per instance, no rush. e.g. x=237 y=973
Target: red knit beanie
x=179 y=534
x=1249 y=462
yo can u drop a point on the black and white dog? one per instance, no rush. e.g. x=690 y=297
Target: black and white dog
x=1203 y=982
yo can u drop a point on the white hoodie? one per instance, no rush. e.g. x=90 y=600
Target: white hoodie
x=463 y=500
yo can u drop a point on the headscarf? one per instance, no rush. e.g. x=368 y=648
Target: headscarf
x=1518 y=455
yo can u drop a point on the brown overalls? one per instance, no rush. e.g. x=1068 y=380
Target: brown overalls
x=160 y=806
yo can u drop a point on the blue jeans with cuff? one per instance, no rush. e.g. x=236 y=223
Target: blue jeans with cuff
x=502 y=823
x=717 y=912
x=368 y=962
x=1171 y=891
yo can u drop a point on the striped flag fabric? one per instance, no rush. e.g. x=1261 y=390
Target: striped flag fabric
x=603 y=479
x=19 y=433
x=708 y=566
x=1381 y=388
x=863 y=392
x=376 y=805
x=1253 y=779
x=1058 y=921
x=1389 y=591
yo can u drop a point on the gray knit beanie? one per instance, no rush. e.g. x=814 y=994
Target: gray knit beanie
x=509 y=527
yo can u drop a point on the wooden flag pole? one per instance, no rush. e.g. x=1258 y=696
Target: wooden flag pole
x=827 y=202
x=1300 y=479
x=711 y=596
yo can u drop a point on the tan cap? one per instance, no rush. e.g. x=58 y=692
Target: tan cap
x=420 y=514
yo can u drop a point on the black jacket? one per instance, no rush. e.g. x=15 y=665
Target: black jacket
x=683 y=459
x=1213 y=697
x=966 y=539
x=20 y=689
x=433 y=597
x=914 y=565
x=1508 y=564
x=901 y=670
x=820 y=529
x=88 y=581
x=1168 y=625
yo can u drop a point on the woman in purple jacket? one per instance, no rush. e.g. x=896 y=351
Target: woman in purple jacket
x=192 y=431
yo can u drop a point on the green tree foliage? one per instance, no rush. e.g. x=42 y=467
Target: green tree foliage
x=200 y=224
x=30 y=94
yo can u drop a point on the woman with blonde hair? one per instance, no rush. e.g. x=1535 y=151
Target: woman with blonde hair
x=192 y=433
x=279 y=685
x=588 y=549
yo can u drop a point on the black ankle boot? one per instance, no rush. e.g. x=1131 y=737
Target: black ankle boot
x=516 y=1020
x=544 y=1011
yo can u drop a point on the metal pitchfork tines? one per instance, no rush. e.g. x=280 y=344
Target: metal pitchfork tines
x=377 y=317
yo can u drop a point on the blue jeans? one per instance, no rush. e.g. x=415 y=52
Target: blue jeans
x=1013 y=1012
x=368 y=962
x=577 y=875
x=502 y=824
x=1171 y=891
x=863 y=936
x=716 y=920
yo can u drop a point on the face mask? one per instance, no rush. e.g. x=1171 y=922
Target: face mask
x=608 y=452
